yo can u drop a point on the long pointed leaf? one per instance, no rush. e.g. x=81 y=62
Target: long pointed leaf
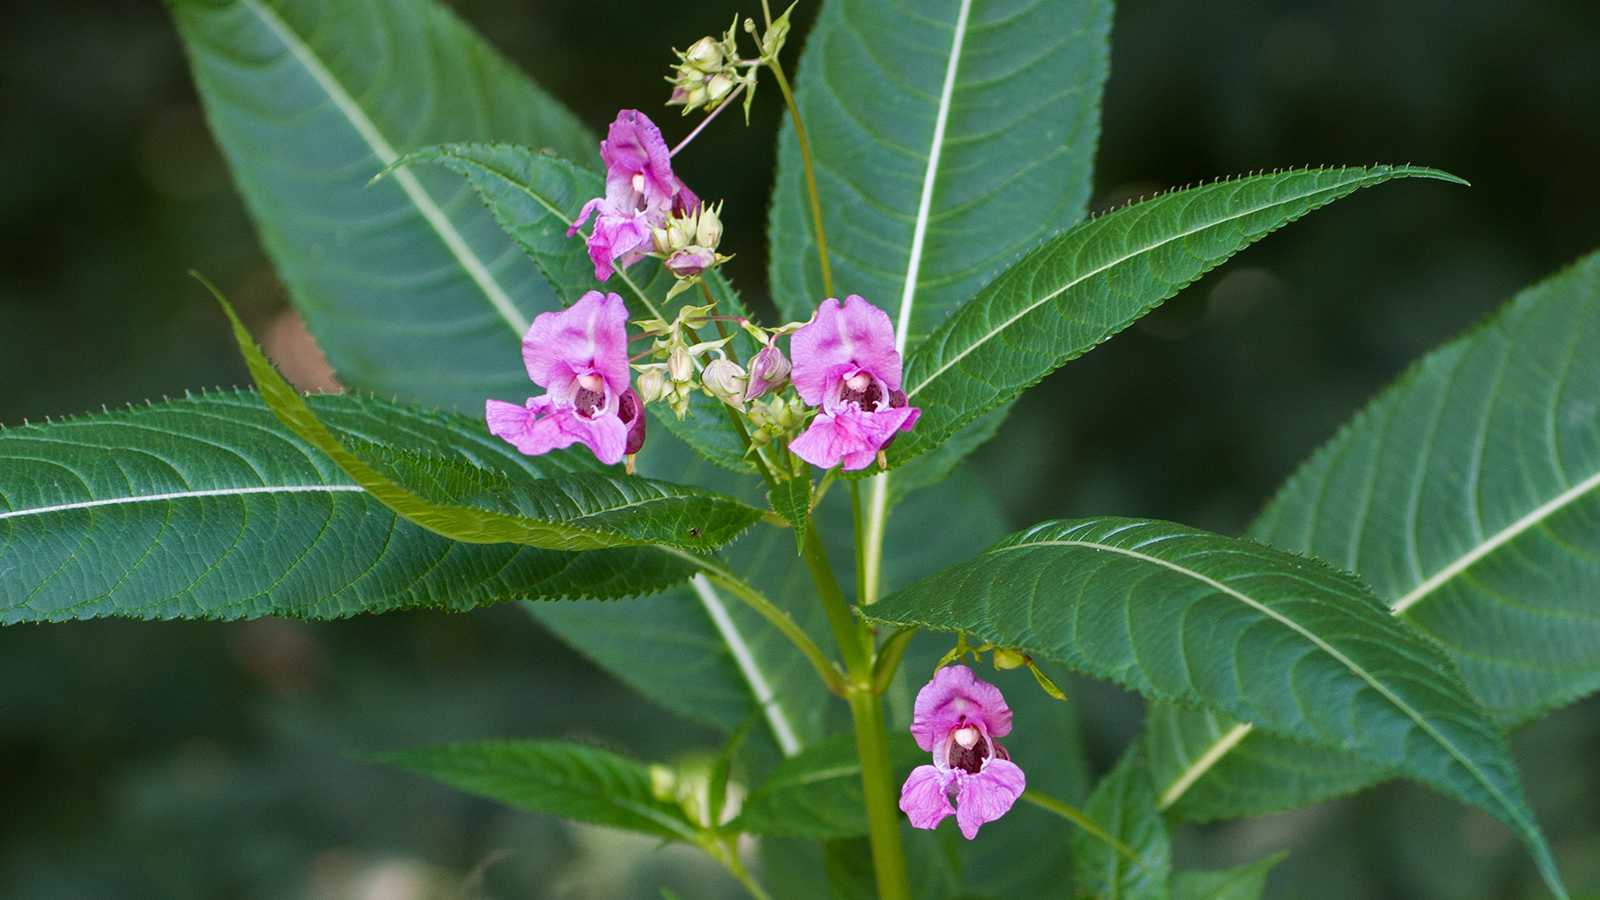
x=1466 y=494
x=208 y=507
x=407 y=284
x=558 y=778
x=948 y=138
x=579 y=512
x=1288 y=644
x=1080 y=288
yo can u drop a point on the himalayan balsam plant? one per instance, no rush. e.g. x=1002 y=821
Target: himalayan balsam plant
x=785 y=496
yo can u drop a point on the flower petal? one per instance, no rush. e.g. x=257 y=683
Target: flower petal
x=925 y=798
x=590 y=336
x=542 y=426
x=987 y=795
x=856 y=335
x=954 y=695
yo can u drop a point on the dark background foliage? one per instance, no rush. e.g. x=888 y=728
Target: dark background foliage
x=185 y=760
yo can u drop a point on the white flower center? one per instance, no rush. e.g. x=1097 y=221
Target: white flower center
x=638 y=182
x=592 y=382
x=966 y=736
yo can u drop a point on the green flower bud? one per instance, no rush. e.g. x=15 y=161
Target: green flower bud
x=725 y=380
x=652 y=385
x=680 y=366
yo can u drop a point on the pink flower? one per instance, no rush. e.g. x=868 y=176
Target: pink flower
x=845 y=362
x=957 y=718
x=580 y=357
x=641 y=192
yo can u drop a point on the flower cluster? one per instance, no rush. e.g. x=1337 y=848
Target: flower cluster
x=846 y=407
x=957 y=717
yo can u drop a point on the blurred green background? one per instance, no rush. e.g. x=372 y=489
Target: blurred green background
x=199 y=760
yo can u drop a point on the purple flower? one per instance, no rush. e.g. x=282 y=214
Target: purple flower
x=957 y=718
x=845 y=362
x=641 y=192
x=580 y=357
x=769 y=371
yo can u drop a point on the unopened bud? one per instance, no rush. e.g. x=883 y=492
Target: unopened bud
x=652 y=385
x=769 y=371
x=724 y=379
x=705 y=55
x=708 y=229
x=690 y=262
x=1009 y=659
x=680 y=366
x=720 y=85
x=630 y=409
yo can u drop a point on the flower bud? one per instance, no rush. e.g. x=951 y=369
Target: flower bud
x=689 y=262
x=1005 y=658
x=680 y=366
x=652 y=385
x=724 y=379
x=708 y=229
x=630 y=409
x=769 y=372
x=705 y=55
x=719 y=86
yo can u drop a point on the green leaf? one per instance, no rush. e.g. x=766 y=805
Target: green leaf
x=791 y=498
x=208 y=507
x=535 y=197
x=1207 y=766
x=408 y=284
x=1466 y=495
x=1124 y=805
x=1080 y=288
x=1183 y=616
x=948 y=138
x=1244 y=882
x=578 y=512
x=557 y=778
x=817 y=794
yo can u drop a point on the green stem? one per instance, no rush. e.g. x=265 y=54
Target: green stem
x=866 y=707
x=1081 y=819
x=811 y=176
x=856 y=652
x=757 y=601
x=877 y=780
x=727 y=853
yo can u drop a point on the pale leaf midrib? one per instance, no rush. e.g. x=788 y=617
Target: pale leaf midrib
x=184 y=495
x=1360 y=672
x=1051 y=295
x=766 y=698
x=386 y=155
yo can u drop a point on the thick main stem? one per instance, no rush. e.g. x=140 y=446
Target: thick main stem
x=877 y=781
x=866 y=707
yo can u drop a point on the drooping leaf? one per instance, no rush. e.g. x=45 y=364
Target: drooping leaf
x=1207 y=766
x=575 y=512
x=535 y=197
x=1466 y=494
x=817 y=794
x=948 y=138
x=561 y=779
x=408 y=284
x=1125 y=806
x=1081 y=287
x=1286 y=643
x=1244 y=882
x=208 y=507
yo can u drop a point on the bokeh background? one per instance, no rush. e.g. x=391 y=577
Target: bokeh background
x=199 y=760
